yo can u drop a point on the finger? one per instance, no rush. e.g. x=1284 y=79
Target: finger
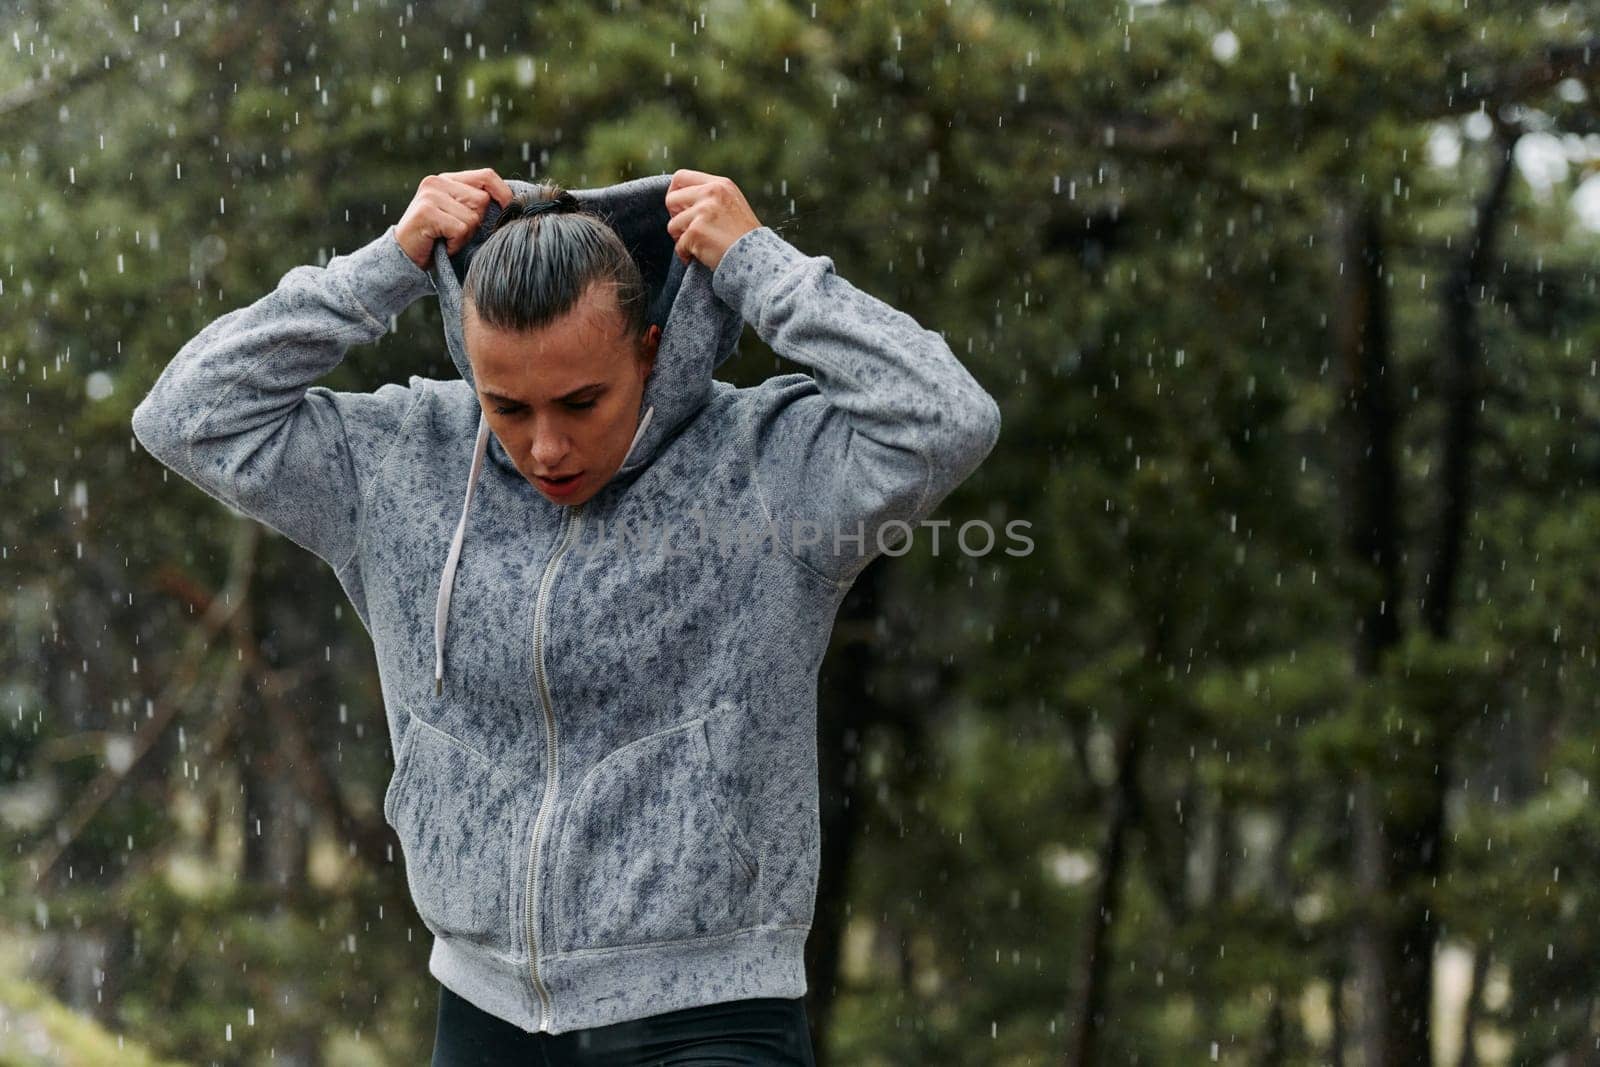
x=453 y=221
x=681 y=219
x=474 y=196
x=682 y=247
x=684 y=178
x=458 y=232
x=451 y=207
x=682 y=200
x=500 y=189
x=484 y=178
x=477 y=187
x=503 y=191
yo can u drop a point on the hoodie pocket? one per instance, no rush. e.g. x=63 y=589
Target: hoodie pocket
x=649 y=850
x=454 y=813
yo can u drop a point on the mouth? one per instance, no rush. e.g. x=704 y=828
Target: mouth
x=557 y=486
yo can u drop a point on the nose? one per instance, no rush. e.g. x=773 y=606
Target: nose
x=549 y=446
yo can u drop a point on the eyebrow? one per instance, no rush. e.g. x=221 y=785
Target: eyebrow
x=573 y=395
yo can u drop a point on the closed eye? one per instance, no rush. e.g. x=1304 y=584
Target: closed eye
x=514 y=409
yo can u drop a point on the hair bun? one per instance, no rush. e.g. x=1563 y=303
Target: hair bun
x=563 y=203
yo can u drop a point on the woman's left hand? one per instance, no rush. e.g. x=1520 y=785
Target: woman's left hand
x=709 y=213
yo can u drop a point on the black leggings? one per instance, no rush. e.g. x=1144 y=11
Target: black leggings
x=759 y=1030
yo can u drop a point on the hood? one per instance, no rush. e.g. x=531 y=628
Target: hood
x=698 y=332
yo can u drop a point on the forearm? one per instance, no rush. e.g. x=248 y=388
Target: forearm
x=250 y=368
x=236 y=412
x=897 y=383
x=893 y=425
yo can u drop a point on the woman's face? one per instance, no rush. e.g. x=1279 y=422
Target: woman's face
x=563 y=399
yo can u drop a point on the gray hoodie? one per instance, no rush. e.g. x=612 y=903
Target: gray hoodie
x=604 y=714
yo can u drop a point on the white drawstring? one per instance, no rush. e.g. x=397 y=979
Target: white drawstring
x=441 y=613
x=643 y=422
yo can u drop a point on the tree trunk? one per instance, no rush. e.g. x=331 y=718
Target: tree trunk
x=1094 y=965
x=1469 y=1017
x=1374 y=539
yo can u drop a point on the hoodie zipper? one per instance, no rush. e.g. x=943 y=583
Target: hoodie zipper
x=543 y=685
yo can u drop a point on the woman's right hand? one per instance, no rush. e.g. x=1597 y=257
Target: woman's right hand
x=449 y=206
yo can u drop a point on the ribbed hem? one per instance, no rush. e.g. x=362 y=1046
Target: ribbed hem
x=603 y=986
x=499 y=986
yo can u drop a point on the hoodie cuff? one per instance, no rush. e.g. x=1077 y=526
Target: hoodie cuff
x=750 y=267
x=382 y=276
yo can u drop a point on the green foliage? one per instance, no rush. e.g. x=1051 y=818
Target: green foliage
x=1126 y=220
x=42 y=1032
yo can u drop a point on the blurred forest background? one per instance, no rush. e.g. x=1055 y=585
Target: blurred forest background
x=1279 y=746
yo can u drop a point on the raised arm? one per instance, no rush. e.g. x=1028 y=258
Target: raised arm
x=236 y=414
x=894 y=424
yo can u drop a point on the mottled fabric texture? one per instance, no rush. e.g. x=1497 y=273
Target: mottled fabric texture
x=610 y=809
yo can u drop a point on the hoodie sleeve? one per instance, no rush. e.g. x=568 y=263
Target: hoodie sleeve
x=894 y=423
x=235 y=413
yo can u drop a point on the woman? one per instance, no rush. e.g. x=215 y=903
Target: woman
x=605 y=778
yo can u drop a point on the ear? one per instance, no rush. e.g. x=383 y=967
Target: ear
x=650 y=344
